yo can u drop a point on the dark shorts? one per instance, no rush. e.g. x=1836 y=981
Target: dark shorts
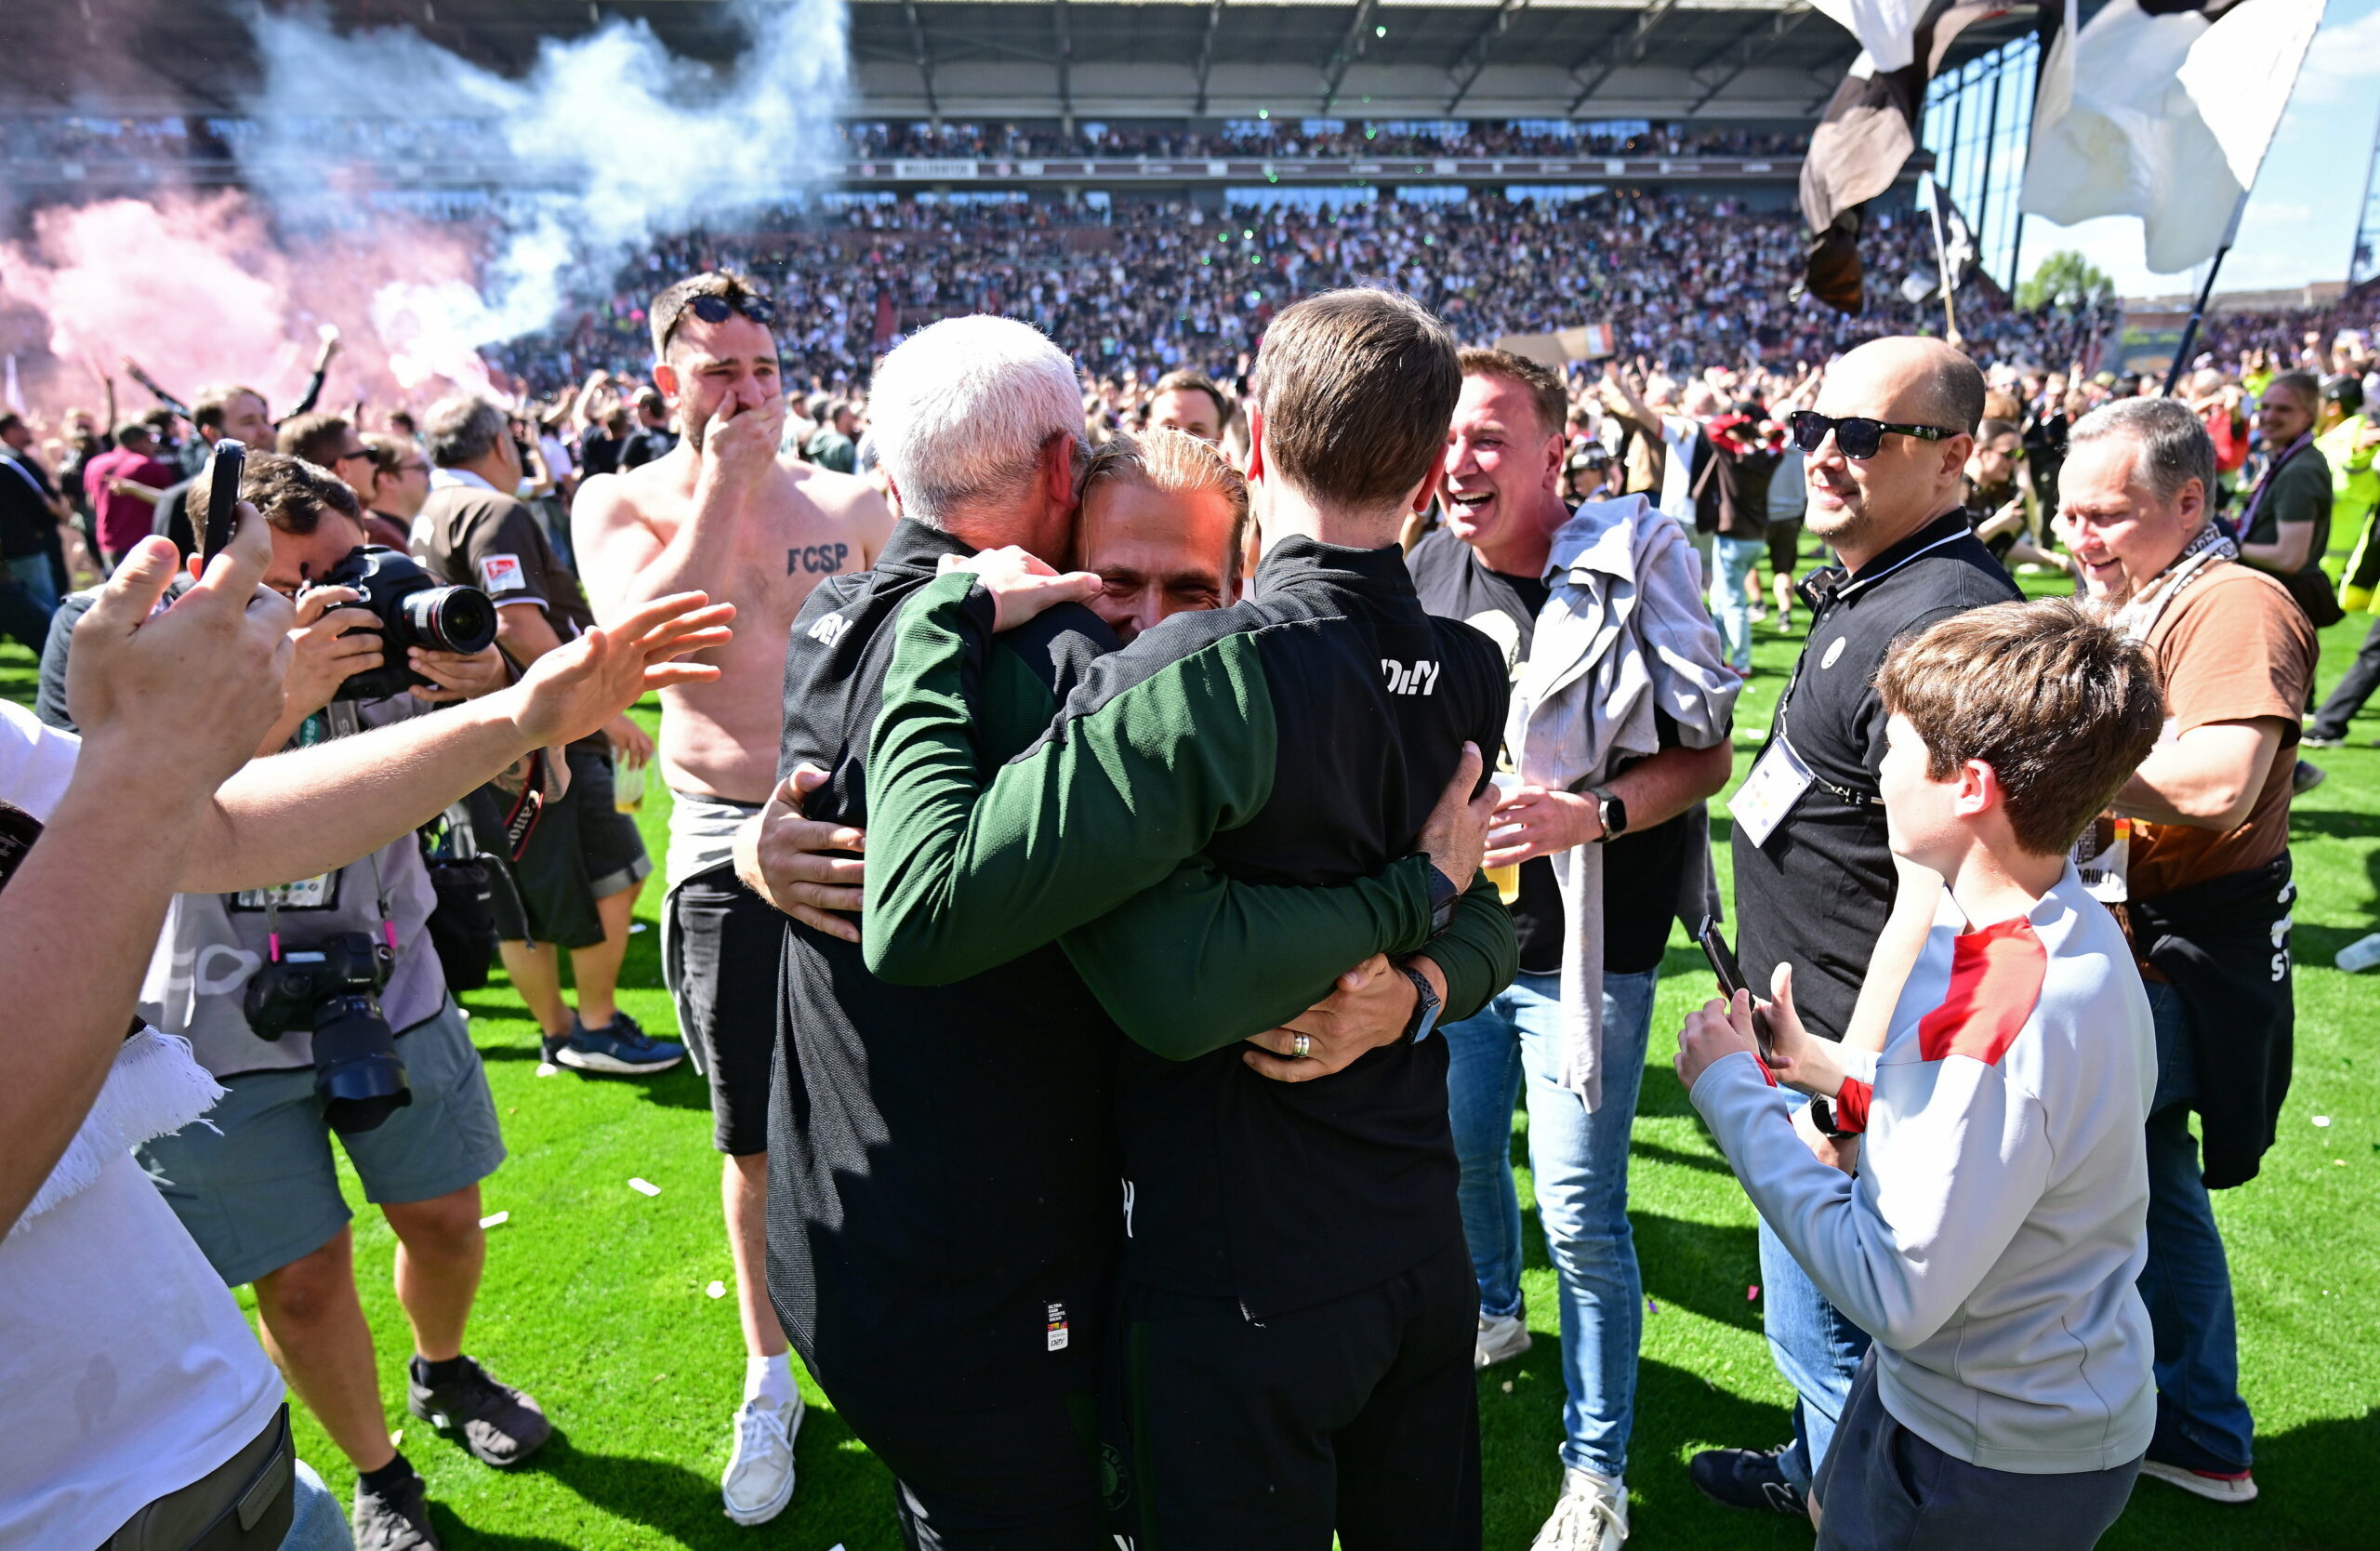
x=1784 y=545
x=1883 y=1487
x=583 y=849
x=721 y=944
x=1359 y=1416
x=1024 y=1477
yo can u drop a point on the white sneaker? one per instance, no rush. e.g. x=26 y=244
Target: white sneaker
x=1592 y=1516
x=759 y=1481
x=2213 y=1487
x=1499 y=1339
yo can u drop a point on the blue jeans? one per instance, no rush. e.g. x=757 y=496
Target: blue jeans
x=33 y=573
x=1814 y=1347
x=1736 y=560
x=1580 y=1164
x=317 y=1523
x=2201 y=1421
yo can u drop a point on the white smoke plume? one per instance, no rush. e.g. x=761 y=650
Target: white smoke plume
x=608 y=141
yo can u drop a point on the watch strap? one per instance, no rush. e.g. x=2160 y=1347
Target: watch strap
x=1443 y=895
x=1426 y=1005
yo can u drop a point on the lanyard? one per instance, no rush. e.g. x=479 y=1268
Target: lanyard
x=2139 y=616
x=2264 y=485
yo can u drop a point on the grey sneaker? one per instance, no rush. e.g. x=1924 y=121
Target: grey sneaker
x=498 y=1424
x=397 y=1519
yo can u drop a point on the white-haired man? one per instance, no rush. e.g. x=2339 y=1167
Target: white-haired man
x=943 y=1200
x=723 y=512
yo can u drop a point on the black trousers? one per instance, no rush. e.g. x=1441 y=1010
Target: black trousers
x=2362 y=677
x=1024 y=1478
x=1359 y=1416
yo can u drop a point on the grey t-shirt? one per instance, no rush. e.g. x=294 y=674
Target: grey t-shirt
x=213 y=944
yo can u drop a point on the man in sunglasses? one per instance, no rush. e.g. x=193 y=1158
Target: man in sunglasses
x=761 y=531
x=1884 y=456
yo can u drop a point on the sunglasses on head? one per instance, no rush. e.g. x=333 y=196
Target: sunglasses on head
x=714 y=309
x=1855 y=436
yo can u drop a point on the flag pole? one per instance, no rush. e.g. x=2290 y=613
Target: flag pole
x=2205 y=292
x=1941 y=258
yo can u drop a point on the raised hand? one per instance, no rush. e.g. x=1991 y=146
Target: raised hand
x=574 y=689
x=1020 y=585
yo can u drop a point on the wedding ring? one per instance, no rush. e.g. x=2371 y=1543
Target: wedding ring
x=1301 y=1046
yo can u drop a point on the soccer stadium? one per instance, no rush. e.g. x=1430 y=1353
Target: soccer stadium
x=635 y=961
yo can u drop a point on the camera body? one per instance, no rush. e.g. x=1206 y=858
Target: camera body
x=333 y=987
x=414 y=609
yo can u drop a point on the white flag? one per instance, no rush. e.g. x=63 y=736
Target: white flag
x=2165 y=117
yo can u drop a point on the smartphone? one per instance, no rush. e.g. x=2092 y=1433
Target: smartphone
x=231 y=462
x=1730 y=975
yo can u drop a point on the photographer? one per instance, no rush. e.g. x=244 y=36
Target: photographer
x=185 y=1440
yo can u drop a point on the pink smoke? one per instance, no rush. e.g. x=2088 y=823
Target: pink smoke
x=199 y=290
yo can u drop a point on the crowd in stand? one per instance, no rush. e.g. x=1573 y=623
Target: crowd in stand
x=174 y=137
x=1137 y=289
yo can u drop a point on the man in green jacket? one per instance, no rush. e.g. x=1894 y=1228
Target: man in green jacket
x=1298 y=1304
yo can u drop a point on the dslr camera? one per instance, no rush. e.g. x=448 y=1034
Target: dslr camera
x=413 y=610
x=333 y=987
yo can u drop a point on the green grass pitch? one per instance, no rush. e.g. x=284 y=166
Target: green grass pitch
x=595 y=1299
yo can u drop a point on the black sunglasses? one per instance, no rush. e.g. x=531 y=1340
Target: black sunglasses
x=1855 y=436
x=714 y=309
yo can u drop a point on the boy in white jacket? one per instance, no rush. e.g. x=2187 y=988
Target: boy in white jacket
x=1991 y=1239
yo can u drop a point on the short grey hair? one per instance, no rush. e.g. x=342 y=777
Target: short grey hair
x=962 y=409
x=2175 y=449
x=462 y=428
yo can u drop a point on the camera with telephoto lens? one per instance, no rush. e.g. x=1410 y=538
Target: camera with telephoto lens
x=415 y=610
x=333 y=987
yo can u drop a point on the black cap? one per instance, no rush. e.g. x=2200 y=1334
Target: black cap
x=2345 y=390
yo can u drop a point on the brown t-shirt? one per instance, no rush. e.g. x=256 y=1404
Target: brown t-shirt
x=478 y=538
x=2233 y=647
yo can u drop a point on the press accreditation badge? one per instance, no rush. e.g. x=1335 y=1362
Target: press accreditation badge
x=306 y=894
x=1777 y=779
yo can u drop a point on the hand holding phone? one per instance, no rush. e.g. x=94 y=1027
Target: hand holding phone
x=228 y=466
x=1730 y=975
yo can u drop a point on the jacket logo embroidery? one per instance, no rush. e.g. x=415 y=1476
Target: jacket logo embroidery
x=830 y=629
x=1422 y=677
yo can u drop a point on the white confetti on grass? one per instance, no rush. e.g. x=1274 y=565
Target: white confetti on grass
x=644 y=1188
x=495 y=1219
x=2321 y=1120
x=717 y=1289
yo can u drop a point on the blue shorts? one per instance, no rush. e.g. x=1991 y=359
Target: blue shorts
x=255 y=1185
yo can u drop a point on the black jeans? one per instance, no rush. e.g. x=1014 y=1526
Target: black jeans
x=2362 y=677
x=1360 y=1414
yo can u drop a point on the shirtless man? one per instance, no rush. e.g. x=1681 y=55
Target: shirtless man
x=762 y=531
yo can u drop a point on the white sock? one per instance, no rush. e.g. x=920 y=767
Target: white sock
x=770 y=1379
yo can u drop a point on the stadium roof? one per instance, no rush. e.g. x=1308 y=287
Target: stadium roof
x=1064 y=59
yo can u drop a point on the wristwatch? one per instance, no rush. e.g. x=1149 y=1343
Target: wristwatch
x=1611 y=811
x=1425 y=1006
x=1443 y=894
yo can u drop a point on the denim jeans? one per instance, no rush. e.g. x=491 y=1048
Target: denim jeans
x=2201 y=1421
x=1814 y=1347
x=1737 y=560
x=317 y=1522
x=33 y=573
x=1580 y=1161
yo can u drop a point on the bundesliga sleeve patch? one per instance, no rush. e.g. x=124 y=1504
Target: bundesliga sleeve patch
x=502 y=574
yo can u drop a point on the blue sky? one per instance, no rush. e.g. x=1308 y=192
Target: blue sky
x=2301 y=219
